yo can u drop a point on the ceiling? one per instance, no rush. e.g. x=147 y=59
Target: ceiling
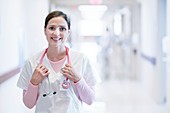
x=112 y=5
x=74 y=3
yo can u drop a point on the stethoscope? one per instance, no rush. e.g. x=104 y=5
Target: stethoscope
x=65 y=83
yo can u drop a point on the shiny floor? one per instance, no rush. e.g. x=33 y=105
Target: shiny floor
x=113 y=96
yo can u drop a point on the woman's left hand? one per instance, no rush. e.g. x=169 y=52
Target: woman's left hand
x=69 y=72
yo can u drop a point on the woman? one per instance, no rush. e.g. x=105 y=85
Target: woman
x=58 y=79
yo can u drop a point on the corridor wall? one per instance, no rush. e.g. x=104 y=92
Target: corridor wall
x=151 y=48
x=21 y=32
x=168 y=57
x=10 y=24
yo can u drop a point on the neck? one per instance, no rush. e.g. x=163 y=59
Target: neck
x=56 y=53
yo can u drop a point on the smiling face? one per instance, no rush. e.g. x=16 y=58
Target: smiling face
x=57 y=31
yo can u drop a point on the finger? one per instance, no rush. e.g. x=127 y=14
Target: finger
x=42 y=67
x=39 y=66
x=46 y=73
x=65 y=70
x=66 y=74
x=68 y=68
x=68 y=65
x=45 y=70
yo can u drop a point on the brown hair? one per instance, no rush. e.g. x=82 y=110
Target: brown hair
x=57 y=14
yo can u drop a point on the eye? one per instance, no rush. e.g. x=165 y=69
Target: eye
x=62 y=29
x=52 y=28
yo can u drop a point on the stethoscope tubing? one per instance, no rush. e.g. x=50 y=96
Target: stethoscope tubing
x=65 y=83
x=67 y=53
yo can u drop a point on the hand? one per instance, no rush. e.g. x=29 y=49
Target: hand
x=70 y=73
x=39 y=74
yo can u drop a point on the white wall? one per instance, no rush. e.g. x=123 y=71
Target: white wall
x=21 y=31
x=153 y=77
x=10 y=25
x=148 y=16
x=168 y=56
x=34 y=13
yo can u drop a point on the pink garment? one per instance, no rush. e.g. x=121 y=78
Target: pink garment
x=85 y=92
x=57 y=65
x=30 y=95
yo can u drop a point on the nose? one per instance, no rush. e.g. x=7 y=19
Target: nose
x=57 y=31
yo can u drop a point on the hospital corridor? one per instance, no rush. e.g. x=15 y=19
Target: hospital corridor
x=127 y=41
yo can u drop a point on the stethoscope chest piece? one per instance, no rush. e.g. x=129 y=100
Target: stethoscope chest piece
x=66 y=84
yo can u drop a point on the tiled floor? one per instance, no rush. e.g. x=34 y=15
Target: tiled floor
x=113 y=96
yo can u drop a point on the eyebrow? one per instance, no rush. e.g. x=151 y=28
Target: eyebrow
x=58 y=25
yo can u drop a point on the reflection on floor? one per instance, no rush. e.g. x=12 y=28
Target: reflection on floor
x=11 y=97
x=124 y=96
x=113 y=96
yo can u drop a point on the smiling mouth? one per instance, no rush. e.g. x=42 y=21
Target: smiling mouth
x=56 y=39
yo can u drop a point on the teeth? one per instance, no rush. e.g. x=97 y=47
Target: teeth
x=56 y=39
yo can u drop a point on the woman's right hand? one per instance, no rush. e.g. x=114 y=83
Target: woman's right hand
x=39 y=74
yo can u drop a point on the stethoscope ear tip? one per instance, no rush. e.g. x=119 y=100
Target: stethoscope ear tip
x=65 y=83
x=54 y=92
x=44 y=95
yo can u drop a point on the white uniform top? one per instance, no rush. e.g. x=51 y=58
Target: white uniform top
x=65 y=100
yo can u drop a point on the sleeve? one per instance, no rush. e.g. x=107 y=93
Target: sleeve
x=86 y=93
x=30 y=96
x=86 y=85
x=25 y=76
x=91 y=75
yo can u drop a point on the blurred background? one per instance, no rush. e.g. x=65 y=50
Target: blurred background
x=128 y=40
